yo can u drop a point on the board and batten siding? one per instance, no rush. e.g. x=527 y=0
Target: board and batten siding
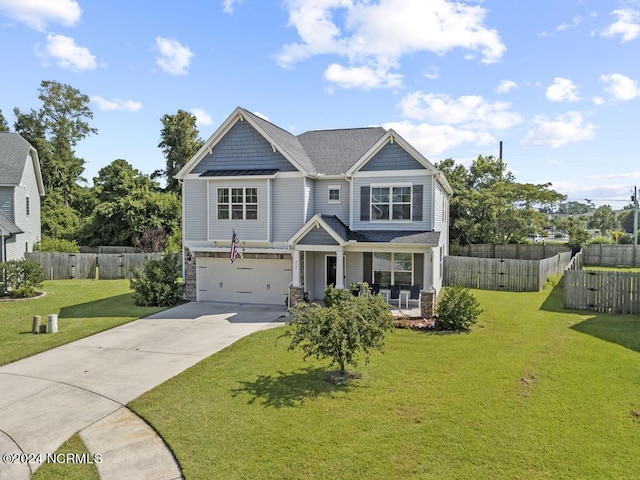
x=247 y=230
x=243 y=147
x=287 y=207
x=195 y=209
x=322 y=205
x=427 y=194
x=6 y=201
x=391 y=157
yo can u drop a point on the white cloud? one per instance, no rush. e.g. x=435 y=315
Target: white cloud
x=67 y=54
x=595 y=189
x=627 y=25
x=469 y=111
x=362 y=77
x=202 y=117
x=435 y=139
x=561 y=130
x=575 y=21
x=37 y=14
x=432 y=73
x=620 y=86
x=376 y=34
x=227 y=5
x=116 y=104
x=506 y=86
x=562 y=90
x=173 y=58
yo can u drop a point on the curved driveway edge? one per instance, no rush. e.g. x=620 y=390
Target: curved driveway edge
x=50 y=396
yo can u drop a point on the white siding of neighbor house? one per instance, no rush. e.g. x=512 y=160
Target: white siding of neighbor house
x=247 y=230
x=322 y=204
x=6 y=201
x=438 y=202
x=195 y=209
x=288 y=212
x=425 y=180
x=29 y=224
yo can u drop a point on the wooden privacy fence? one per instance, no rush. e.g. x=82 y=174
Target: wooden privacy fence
x=612 y=255
x=513 y=251
x=601 y=291
x=503 y=274
x=105 y=266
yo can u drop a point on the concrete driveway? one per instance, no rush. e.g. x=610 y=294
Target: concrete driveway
x=83 y=387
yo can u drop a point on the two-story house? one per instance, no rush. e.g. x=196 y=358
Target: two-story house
x=324 y=207
x=21 y=188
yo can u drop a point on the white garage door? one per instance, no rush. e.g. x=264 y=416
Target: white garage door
x=244 y=281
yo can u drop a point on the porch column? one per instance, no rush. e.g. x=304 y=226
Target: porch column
x=339 y=269
x=295 y=280
x=428 y=270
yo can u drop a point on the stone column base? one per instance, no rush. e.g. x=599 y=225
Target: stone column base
x=296 y=295
x=427 y=304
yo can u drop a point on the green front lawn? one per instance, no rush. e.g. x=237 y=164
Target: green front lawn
x=84 y=307
x=533 y=392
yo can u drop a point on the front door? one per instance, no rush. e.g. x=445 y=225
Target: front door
x=331 y=270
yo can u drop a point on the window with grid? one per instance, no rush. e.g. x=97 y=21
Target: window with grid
x=390 y=203
x=238 y=203
x=393 y=269
x=334 y=194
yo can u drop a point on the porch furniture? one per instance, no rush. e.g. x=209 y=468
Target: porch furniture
x=375 y=290
x=394 y=295
x=413 y=296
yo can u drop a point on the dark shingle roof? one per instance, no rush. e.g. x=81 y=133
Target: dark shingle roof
x=239 y=173
x=8 y=226
x=333 y=152
x=14 y=152
x=380 y=236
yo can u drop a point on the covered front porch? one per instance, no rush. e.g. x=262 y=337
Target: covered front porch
x=323 y=254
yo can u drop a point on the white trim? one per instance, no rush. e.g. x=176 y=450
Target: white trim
x=268 y=209
x=208 y=209
x=230 y=204
x=334 y=187
x=392 y=173
x=317 y=248
x=391 y=186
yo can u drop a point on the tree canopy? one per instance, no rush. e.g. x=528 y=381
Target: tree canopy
x=489 y=206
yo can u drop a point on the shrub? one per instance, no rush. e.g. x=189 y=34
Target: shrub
x=600 y=239
x=340 y=331
x=457 y=309
x=50 y=244
x=20 y=278
x=159 y=286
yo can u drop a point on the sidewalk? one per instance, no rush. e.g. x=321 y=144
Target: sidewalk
x=83 y=386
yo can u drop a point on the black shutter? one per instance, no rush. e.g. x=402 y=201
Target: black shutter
x=364 y=203
x=416 y=215
x=367 y=267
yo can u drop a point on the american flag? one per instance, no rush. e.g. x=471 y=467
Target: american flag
x=234 y=247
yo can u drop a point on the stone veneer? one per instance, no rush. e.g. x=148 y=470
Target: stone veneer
x=296 y=295
x=427 y=304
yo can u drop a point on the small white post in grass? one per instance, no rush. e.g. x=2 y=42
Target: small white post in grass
x=53 y=323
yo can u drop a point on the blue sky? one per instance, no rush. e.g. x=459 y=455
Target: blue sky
x=558 y=82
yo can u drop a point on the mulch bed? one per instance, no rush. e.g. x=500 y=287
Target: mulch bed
x=20 y=299
x=416 y=323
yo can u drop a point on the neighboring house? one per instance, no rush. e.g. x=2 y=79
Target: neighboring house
x=324 y=207
x=21 y=188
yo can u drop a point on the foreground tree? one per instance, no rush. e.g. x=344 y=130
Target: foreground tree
x=179 y=143
x=604 y=219
x=489 y=206
x=347 y=326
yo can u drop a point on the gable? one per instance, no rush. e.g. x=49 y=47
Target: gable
x=391 y=157
x=317 y=236
x=242 y=147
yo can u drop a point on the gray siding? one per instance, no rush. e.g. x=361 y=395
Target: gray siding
x=392 y=157
x=322 y=204
x=309 y=199
x=317 y=236
x=438 y=204
x=243 y=147
x=195 y=210
x=319 y=277
x=427 y=194
x=246 y=229
x=355 y=265
x=287 y=207
x=6 y=201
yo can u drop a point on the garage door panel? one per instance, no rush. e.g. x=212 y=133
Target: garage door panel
x=244 y=281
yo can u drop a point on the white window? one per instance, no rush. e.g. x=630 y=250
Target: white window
x=391 y=203
x=393 y=269
x=238 y=203
x=334 y=194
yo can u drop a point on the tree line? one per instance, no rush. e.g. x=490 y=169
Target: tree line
x=123 y=206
